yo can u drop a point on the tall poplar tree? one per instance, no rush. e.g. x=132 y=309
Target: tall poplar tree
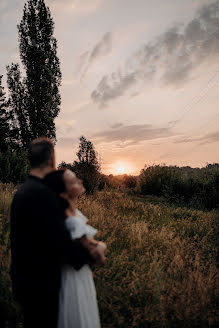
x=34 y=114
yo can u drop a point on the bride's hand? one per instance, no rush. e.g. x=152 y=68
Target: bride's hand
x=93 y=242
x=102 y=246
x=98 y=252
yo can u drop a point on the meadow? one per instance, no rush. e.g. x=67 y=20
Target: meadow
x=162 y=261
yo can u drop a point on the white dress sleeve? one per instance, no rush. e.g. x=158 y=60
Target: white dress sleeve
x=78 y=227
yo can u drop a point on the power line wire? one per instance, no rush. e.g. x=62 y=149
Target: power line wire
x=203 y=93
x=197 y=99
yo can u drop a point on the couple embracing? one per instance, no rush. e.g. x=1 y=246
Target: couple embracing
x=52 y=247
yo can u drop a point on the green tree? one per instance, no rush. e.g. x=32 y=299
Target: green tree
x=87 y=166
x=20 y=133
x=4 y=126
x=159 y=180
x=35 y=100
x=65 y=165
x=13 y=165
x=130 y=181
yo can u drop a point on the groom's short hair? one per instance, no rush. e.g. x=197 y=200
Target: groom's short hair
x=40 y=152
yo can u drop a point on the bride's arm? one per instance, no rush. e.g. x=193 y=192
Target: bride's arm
x=96 y=248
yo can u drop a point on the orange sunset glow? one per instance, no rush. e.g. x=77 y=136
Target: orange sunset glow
x=121 y=167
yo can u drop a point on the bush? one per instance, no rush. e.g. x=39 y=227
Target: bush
x=13 y=166
x=193 y=187
x=159 y=181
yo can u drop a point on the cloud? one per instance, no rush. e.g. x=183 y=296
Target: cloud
x=132 y=134
x=103 y=47
x=83 y=59
x=3 y=4
x=170 y=58
x=116 y=125
x=67 y=142
x=9 y=12
x=77 y=7
x=208 y=138
x=65 y=127
x=100 y=49
x=110 y=88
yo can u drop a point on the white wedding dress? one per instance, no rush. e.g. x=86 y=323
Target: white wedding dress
x=77 y=300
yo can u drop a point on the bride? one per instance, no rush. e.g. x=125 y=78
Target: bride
x=77 y=300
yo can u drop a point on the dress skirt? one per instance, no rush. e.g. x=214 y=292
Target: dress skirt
x=78 y=304
x=77 y=300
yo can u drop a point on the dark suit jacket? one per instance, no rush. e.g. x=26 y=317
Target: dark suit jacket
x=40 y=243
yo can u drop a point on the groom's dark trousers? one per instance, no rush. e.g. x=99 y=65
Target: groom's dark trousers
x=40 y=245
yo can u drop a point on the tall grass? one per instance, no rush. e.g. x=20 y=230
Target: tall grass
x=9 y=311
x=161 y=268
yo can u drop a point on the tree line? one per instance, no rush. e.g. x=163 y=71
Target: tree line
x=184 y=186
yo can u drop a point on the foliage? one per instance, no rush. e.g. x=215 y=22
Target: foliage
x=195 y=187
x=13 y=163
x=14 y=166
x=156 y=180
x=65 y=165
x=130 y=181
x=38 y=51
x=34 y=100
x=102 y=181
x=4 y=125
x=86 y=167
x=113 y=182
x=161 y=268
x=122 y=181
x=20 y=133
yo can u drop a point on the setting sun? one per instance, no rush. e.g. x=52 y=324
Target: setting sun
x=121 y=169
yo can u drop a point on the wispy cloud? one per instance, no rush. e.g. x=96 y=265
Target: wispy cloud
x=208 y=138
x=64 y=127
x=111 y=87
x=9 y=13
x=100 y=49
x=171 y=57
x=3 y=4
x=116 y=125
x=65 y=142
x=132 y=134
x=78 y=7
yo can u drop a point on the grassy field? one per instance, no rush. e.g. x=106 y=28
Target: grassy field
x=162 y=261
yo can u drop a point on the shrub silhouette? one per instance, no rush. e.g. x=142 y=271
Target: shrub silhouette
x=194 y=187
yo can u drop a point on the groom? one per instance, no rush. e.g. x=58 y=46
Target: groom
x=40 y=243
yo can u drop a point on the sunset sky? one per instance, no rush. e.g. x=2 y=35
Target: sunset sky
x=140 y=79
